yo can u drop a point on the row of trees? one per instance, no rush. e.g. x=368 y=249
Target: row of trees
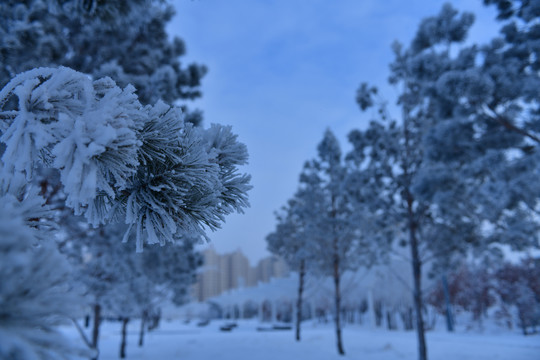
x=456 y=175
x=325 y=228
x=509 y=291
x=95 y=165
x=119 y=283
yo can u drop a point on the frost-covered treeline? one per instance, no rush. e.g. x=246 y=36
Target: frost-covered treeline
x=94 y=170
x=455 y=175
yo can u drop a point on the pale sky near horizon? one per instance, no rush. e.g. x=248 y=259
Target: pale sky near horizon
x=282 y=71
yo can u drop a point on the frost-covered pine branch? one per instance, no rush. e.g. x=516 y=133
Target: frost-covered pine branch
x=119 y=160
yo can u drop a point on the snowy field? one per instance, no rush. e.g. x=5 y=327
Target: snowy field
x=176 y=340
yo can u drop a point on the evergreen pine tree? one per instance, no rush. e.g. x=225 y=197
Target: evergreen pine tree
x=125 y=40
x=467 y=140
x=36 y=293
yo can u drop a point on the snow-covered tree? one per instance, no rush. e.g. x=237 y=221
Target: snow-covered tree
x=395 y=154
x=324 y=228
x=292 y=239
x=36 y=294
x=338 y=240
x=389 y=155
x=479 y=110
x=467 y=156
x=125 y=40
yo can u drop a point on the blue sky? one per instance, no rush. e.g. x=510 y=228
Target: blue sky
x=282 y=71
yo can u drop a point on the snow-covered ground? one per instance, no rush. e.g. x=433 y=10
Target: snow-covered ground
x=177 y=340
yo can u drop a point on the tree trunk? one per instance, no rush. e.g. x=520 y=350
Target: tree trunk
x=407 y=317
x=123 y=343
x=301 y=274
x=390 y=320
x=407 y=166
x=337 y=278
x=154 y=320
x=95 y=330
x=417 y=275
x=449 y=316
x=141 y=331
x=338 y=301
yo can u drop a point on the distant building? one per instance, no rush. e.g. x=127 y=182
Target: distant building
x=209 y=280
x=270 y=267
x=230 y=271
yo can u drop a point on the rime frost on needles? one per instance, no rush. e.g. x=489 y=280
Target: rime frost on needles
x=119 y=160
x=85 y=129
